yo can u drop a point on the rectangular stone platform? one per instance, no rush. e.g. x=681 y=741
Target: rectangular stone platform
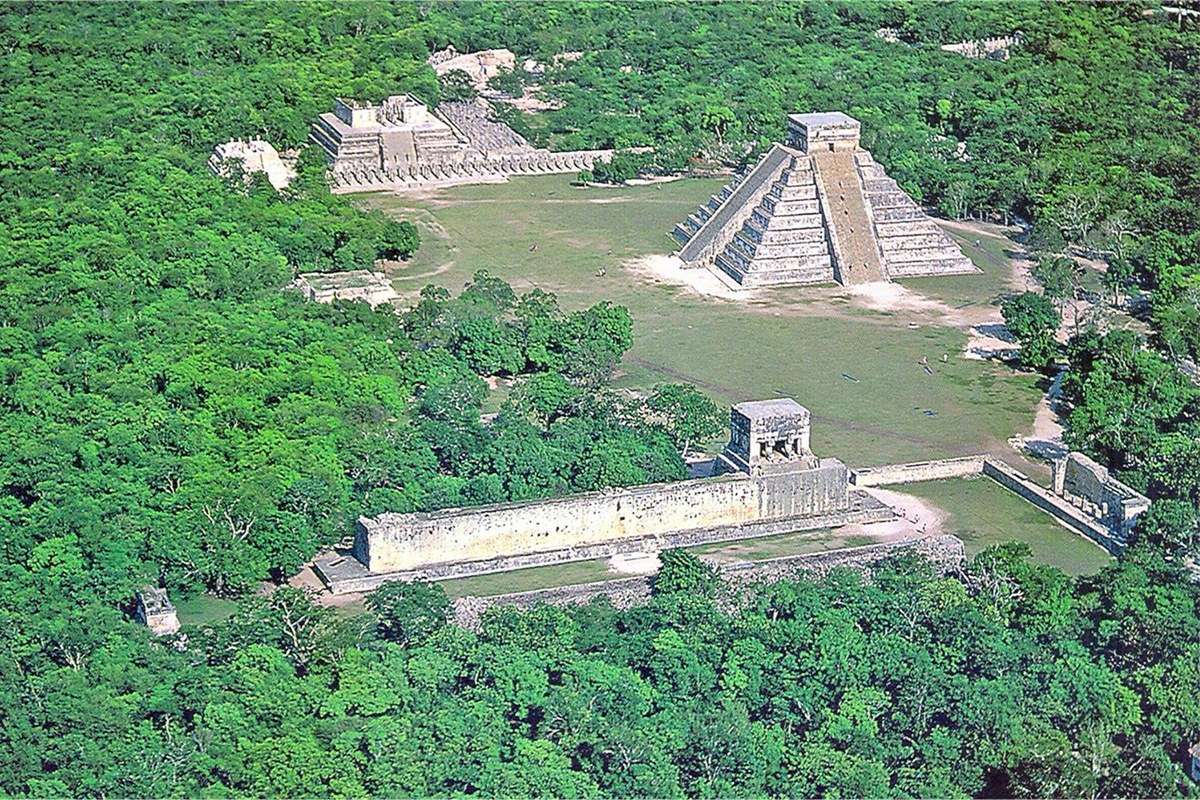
x=344 y=574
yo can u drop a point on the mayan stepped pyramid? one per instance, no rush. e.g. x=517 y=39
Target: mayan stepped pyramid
x=817 y=210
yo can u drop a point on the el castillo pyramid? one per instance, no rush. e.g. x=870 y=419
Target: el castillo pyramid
x=816 y=210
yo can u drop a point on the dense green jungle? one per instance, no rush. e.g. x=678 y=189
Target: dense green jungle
x=171 y=417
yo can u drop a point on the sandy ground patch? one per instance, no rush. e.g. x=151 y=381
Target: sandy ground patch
x=307 y=579
x=669 y=270
x=885 y=296
x=915 y=514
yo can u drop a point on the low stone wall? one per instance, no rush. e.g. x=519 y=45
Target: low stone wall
x=946 y=552
x=1058 y=507
x=918 y=471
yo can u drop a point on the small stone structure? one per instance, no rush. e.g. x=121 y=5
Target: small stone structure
x=481 y=66
x=997 y=48
x=767 y=436
x=154 y=610
x=402 y=144
x=360 y=284
x=772 y=484
x=255 y=155
x=1194 y=752
x=1082 y=495
x=1089 y=486
x=818 y=209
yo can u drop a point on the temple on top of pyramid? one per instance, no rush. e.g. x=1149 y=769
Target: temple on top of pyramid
x=818 y=209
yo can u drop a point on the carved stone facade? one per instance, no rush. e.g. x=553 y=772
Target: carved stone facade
x=818 y=209
x=155 y=611
x=402 y=144
x=1089 y=486
x=997 y=48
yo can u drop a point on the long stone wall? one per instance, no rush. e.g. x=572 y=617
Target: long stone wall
x=946 y=552
x=918 y=471
x=396 y=542
x=344 y=574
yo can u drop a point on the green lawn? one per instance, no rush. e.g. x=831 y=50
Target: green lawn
x=541 y=231
x=983 y=513
x=204 y=609
x=525 y=580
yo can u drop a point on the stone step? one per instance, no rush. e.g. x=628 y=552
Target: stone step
x=785 y=192
x=921 y=226
x=914 y=242
x=895 y=199
x=779 y=207
x=761 y=230
x=788 y=222
x=774 y=249
x=928 y=267
x=897 y=214
x=770 y=274
x=682 y=234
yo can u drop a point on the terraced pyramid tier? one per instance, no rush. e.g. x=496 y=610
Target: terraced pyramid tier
x=818 y=211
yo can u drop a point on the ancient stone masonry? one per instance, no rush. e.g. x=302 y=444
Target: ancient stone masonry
x=772 y=484
x=481 y=66
x=1082 y=495
x=946 y=553
x=154 y=610
x=255 y=155
x=402 y=144
x=997 y=48
x=359 y=284
x=1089 y=486
x=816 y=210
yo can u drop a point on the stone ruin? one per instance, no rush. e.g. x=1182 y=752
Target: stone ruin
x=1090 y=487
x=255 y=155
x=997 y=48
x=155 y=611
x=818 y=209
x=769 y=482
x=360 y=284
x=402 y=144
x=767 y=436
x=481 y=66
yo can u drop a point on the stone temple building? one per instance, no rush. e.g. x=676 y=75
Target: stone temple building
x=155 y=610
x=359 y=284
x=818 y=209
x=401 y=143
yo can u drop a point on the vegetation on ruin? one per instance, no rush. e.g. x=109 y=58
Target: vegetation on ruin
x=169 y=415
